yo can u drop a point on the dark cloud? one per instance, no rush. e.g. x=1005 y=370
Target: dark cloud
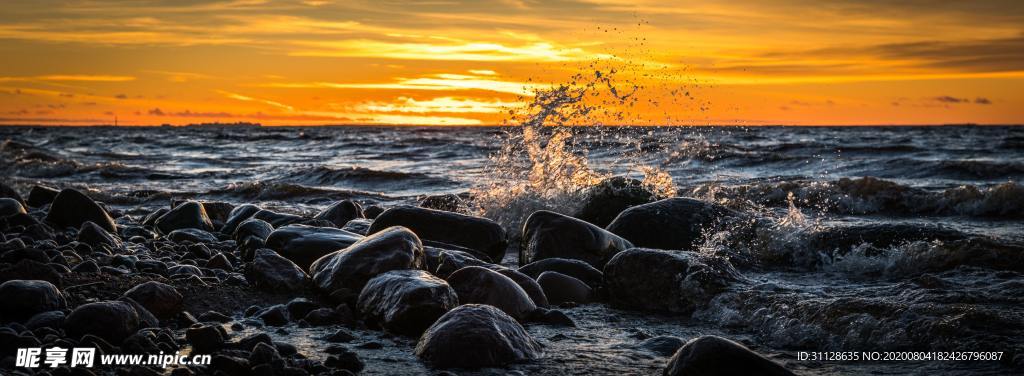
x=156 y=112
x=982 y=100
x=121 y=96
x=189 y=113
x=949 y=99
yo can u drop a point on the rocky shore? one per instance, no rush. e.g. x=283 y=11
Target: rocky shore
x=273 y=293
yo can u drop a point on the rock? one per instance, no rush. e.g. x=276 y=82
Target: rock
x=192 y=235
x=219 y=261
x=188 y=215
x=268 y=270
x=94 y=235
x=673 y=281
x=394 y=248
x=86 y=267
x=345 y=360
x=238 y=215
x=7 y=192
x=265 y=354
x=205 y=339
x=146 y=318
x=111 y=320
x=341 y=212
x=341 y=335
x=22 y=299
x=552 y=317
x=214 y=316
x=48 y=319
x=10 y=206
x=304 y=244
x=277 y=219
x=405 y=302
x=445 y=202
x=162 y=300
x=477 y=233
x=358 y=226
x=551 y=235
x=185 y=269
x=276 y=315
x=573 y=268
x=474 y=336
x=478 y=285
x=300 y=307
x=604 y=201
x=449 y=261
x=372 y=211
x=560 y=288
x=674 y=223
x=252 y=228
x=528 y=284
x=72 y=208
x=41 y=196
x=717 y=356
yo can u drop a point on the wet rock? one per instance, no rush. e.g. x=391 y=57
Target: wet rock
x=268 y=270
x=72 y=208
x=475 y=336
x=41 y=196
x=277 y=219
x=551 y=317
x=252 y=228
x=674 y=223
x=300 y=307
x=205 y=338
x=394 y=248
x=219 y=261
x=185 y=269
x=188 y=215
x=304 y=244
x=716 y=356
x=7 y=192
x=265 y=354
x=192 y=235
x=341 y=212
x=22 y=299
x=604 y=201
x=842 y=239
x=477 y=233
x=573 y=268
x=111 y=320
x=445 y=202
x=327 y=316
x=345 y=360
x=276 y=315
x=341 y=335
x=89 y=266
x=358 y=226
x=214 y=316
x=673 y=281
x=238 y=215
x=449 y=261
x=372 y=211
x=530 y=285
x=10 y=206
x=560 y=288
x=48 y=319
x=162 y=300
x=551 y=235
x=405 y=302
x=94 y=235
x=661 y=345
x=478 y=285
x=146 y=318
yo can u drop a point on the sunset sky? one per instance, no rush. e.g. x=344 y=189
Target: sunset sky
x=465 y=62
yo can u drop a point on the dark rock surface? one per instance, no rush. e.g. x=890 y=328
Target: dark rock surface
x=474 y=336
x=717 y=356
x=405 y=302
x=477 y=233
x=188 y=215
x=560 y=288
x=10 y=206
x=111 y=320
x=604 y=201
x=22 y=299
x=305 y=244
x=161 y=299
x=41 y=195
x=72 y=208
x=268 y=270
x=674 y=223
x=548 y=234
x=478 y=285
x=341 y=212
x=673 y=281
x=394 y=248
x=573 y=268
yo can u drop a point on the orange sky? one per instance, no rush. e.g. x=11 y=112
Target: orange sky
x=459 y=62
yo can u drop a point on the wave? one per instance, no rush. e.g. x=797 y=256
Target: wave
x=870 y=195
x=262 y=190
x=359 y=176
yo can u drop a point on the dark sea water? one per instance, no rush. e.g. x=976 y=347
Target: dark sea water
x=959 y=290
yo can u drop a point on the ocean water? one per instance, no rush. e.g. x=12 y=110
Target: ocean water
x=960 y=290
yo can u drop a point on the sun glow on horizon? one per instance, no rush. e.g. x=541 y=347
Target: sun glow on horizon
x=278 y=62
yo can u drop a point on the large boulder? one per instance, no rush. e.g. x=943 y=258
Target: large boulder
x=529 y=284
x=405 y=302
x=475 y=336
x=717 y=356
x=477 y=233
x=268 y=270
x=448 y=261
x=277 y=219
x=10 y=206
x=560 y=288
x=479 y=285
x=94 y=235
x=238 y=215
x=341 y=212
x=22 y=299
x=111 y=320
x=160 y=299
x=674 y=223
x=252 y=228
x=72 y=208
x=604 y=201
x=573 y=268
x=673 y=281
x=304 y=244
x=394 y=248
x=7 y=192
x=41 y=195
x=190 y=214
x=548 y=234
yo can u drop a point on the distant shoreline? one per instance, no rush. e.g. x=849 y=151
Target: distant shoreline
x=258 y=126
